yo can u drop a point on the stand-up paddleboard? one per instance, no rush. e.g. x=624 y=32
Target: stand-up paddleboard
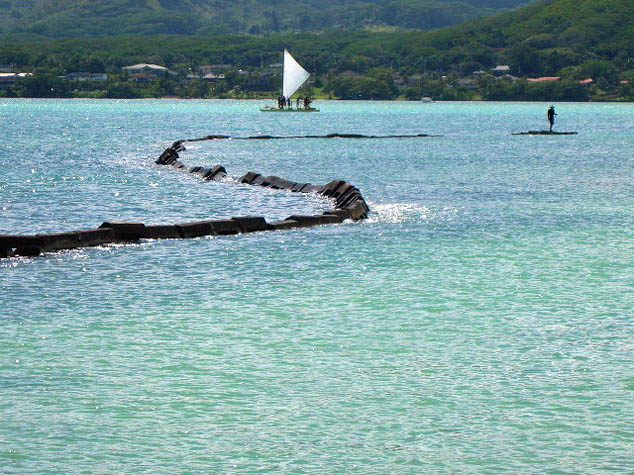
x=545 y=132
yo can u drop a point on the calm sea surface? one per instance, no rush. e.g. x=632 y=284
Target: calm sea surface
x=482 y=319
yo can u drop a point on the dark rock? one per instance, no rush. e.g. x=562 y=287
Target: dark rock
x=310 y=188
x=342 y=213
x=59 y=241
x=202 y=171
x=167 y=231
x=126 y=231
x=75 y=239
x=286 y=224
x=280 y=183
x=4 y=253
x=315 y=220
x=250 y=224
x=28 y=251
x=224 y=227
x=219 y=175
x=330 y=188
x=9 y=242
x=216 y=173
x=178 y=146
x=96 y=237
x=342 y=190
x=331 y=218
x=167 y=157
x=297 y=187
x=358 y=210
x=362 y=204
x=196 y=229
x=286 y=184
x=178 y=165
x=249 y=177
x=348 y=199
x=12 y=241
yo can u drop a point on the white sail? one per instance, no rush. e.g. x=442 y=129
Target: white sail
x=294 y=75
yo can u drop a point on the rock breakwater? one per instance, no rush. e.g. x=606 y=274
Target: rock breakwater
x=346 y=200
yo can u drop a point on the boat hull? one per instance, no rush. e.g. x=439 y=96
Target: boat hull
x=275 y=109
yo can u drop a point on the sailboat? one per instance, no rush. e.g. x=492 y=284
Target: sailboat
x=293 y=78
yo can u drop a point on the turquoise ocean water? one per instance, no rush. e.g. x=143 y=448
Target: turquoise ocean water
x=480 y=321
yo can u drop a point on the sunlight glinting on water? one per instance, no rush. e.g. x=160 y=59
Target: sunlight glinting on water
x=479 y=321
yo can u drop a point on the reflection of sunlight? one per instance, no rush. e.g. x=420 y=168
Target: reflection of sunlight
x=398 y=213
x=408 y=212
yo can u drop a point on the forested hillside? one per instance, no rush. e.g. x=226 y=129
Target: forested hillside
x=540 y=38
x=88 y=18
x=576 y=40
x=537 y=39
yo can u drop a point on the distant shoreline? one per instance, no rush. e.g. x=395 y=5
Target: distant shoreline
x=260 y=99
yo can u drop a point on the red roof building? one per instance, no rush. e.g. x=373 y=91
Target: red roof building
x=544 y=79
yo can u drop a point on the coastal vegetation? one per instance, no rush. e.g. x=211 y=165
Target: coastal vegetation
x=555 y=50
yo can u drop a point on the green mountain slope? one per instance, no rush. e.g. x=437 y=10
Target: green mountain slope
x=90 y=18
x=552 y=23
x=540 y=38
x=573 y=39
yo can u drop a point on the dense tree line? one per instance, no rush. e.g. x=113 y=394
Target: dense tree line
x=375 y=86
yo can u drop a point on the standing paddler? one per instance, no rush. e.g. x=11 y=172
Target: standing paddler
x=551 y=117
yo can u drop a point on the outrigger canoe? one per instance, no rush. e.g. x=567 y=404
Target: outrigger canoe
x=293 y=78
x=276 y=109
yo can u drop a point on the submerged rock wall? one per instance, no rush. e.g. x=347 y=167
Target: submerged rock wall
x=347 y=203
